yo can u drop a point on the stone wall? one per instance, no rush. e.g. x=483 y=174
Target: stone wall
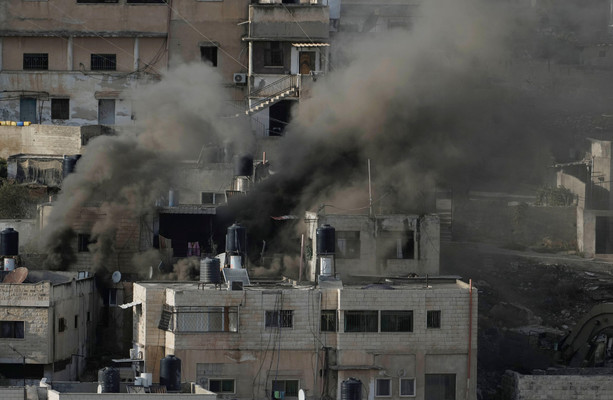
x=557 y=387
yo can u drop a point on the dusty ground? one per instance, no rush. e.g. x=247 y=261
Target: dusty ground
x=523 y=294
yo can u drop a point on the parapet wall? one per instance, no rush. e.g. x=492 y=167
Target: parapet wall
x=556 y=387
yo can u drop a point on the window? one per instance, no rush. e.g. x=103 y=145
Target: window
x=208 y=54
x=383 y=387
x=221 y=385
x=396 y=321
x=284 y=388
x=35 y=61
x=83 y=242
x=12 y=329
x=434 y=319
x=396 y=245
x=273 y=54
x=280 y=319
x=440 y=386
x=61 y=325
x=361 y=321
x=407 y=387
x=347 y=244
x=328 y=321
x=76 y=321
x=112 y=297
x=60 y=108
x=212 y=198
x=103 y=62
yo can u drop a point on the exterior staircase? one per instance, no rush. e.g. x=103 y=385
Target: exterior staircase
x=273 y=93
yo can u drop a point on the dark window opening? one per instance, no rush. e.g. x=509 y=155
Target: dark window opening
x=273 y=54
x=284 y=388
x=361 y=321
x=76 y=321
x=440 y=386
x=347 y=244
x=396 y=245
x=280 y=319
x=383 y=387
x=60 y=108
x=328 y=321
x=209 y=54
x=407 y=386
x=434 y=319
x=61 y=325
x=221 y=385
x=83 y=242
x=103 y=62
x=36 y=61
x=396 y=321
x=12 y=329
x=112 y=297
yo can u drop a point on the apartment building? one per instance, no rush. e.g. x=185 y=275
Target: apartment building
x=410 y=337
x=47 y=325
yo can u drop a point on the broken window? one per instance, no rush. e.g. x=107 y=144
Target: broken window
x=285 y=388
x=112 y=297
x=280 y=319
x=76 y=321
x=221 y=385
x=103 y=62
x=440 y=387
x=12 y=329
x=273 y=54
x=347 y=244
x=328 y=320
x=396 y=321
x=434 y=319
x=361 y=321
x=407 y=387
x=208 y=54
x=383 y=388
x=60 y=108
x=35 y=61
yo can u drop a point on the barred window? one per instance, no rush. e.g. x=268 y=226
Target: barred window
x=60 y=108
x=12 y=329
x=347 y=244
x=35 y=61
x=280 y=319
x=328 y=320
x=361 y=321
x=407 y=387
x=61 y=325
x=103 y=62
x=396 y=321
x=285 y=388
x=434 y=319
x=221 y=385
x=383 y=388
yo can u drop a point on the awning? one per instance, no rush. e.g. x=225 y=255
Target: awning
x=311 y=44
x=130 y=305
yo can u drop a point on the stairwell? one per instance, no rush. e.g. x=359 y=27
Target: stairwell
x=273 y=93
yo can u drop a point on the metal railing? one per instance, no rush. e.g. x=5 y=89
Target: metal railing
x=276 y=87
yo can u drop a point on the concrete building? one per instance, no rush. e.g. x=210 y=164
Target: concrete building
x=396 y=245
x=47 y=326
x=410 y=337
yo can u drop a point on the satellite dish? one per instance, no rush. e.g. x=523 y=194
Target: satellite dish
x=16 y=276
x=116 y=277
x=301 y=394
x=150 y=275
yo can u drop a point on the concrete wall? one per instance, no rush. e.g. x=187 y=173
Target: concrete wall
x=40 y=139
x=574 y=184
x=288 y=22
x=12 y=393
x=557 y=387
x=28 y=233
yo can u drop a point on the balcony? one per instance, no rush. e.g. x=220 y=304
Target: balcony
x=288 y=22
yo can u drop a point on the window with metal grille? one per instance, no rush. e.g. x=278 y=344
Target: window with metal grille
x=328 y=320
x=383 y=387
x=280 y=319
x=212 y=198
x=103 y=62
x=208 y=54
x=83 y=242
x=407 y=387
x=347 y=244
x=60 y=108
x=285 y=388
x=396 y=321
x=35 y=61
x=273 y=54
x=61 y=325
x=12 y=329
x=361 y=321
x=221 y=385
x=434 y=319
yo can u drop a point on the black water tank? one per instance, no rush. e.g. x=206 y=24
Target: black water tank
x=351 y=389
x=9 y=242
x=326 y=242
x=236 y=239
x=170 y=373
x=68 y=164
x=243 y=165
x=108 y=379
x=209 y=270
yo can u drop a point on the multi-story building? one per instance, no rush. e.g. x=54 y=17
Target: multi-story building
x=409 y=337
x=47 y=325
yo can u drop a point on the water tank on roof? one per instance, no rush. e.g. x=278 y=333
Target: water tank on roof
x=108 y=379
x=325 y=237
x=351 y=389
x=243 y=165
x=170 y=373
x=9 y=242
x=209 y=270
x=236 y=239
x=68 y=164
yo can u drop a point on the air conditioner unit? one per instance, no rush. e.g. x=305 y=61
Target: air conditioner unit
x=240 y=78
